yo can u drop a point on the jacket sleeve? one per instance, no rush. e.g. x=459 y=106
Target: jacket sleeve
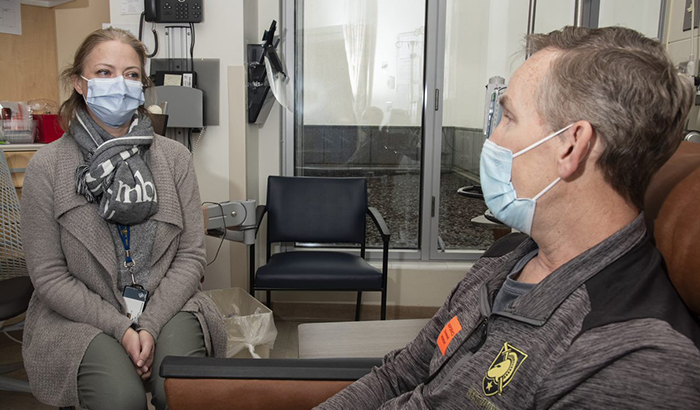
x=619 y=373
x=402 y=370
x=181 y=280
x=53 y=283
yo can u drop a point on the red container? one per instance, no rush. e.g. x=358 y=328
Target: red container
x=49 y=130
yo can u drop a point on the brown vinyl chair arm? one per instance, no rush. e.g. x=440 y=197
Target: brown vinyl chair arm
x=270 y=384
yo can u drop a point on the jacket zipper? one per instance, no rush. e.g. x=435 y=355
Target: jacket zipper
x=484 y=322
x=485 y=308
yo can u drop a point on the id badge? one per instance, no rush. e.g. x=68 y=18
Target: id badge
x=135 y=298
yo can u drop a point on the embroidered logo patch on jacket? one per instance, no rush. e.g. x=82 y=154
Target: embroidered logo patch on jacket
x=503 y=369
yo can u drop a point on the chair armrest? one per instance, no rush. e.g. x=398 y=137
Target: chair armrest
x=270 y=384
x=379 y=222
x=260 y=211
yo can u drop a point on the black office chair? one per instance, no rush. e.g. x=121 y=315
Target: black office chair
x=319 y=210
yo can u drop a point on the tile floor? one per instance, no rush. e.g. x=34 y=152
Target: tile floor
x=286 y=346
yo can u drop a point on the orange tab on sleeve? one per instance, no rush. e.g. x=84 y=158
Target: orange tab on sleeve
x=448 y=333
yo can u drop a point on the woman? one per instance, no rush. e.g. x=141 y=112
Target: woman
x=110 y=214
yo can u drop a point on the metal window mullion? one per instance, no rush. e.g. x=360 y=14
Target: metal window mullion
x=435 y=80
x=662 y=22
x=431 y=122
x=289 y=28
x=288 y=42
x=591 y=13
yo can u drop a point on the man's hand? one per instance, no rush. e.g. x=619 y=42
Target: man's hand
x=132 y=344
x=145 y=357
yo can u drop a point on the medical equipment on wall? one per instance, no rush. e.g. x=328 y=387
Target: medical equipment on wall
x=266 y=77
x=492 y=108
x=234 y=220
x=191 y=104
x=173 y=11
x=230 y=220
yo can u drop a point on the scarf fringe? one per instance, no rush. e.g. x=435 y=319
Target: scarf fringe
x=80 y=185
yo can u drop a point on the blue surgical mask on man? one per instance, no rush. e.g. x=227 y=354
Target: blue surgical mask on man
x=114 y=100
x=496 y=183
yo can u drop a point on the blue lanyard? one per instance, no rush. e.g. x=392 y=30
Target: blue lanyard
x=125 y=235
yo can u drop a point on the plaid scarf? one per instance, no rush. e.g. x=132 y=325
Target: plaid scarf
x=115 y=174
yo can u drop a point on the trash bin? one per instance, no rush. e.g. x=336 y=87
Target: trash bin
x=250 y=327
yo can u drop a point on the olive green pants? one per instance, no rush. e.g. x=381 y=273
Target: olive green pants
x=107 y=378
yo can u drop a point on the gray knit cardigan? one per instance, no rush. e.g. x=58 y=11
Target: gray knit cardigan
x=73 y=266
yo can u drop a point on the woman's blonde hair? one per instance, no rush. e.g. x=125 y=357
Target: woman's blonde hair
x=76 y=101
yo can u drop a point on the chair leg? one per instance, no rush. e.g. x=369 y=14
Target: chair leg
x=251 y=267
x=358 y=307
x=269 y=300
x=384 y=304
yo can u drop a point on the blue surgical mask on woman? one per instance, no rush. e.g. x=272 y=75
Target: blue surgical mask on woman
x=114 y=100
x=496 y=183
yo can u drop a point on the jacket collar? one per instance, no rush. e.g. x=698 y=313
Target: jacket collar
x=82 y=219
x=536 y=306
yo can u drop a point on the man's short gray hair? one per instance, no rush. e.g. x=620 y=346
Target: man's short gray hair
x=626 y=86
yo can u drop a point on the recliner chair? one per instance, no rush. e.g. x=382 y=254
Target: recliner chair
x=671 y=211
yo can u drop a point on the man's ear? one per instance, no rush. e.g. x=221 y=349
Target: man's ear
x=578 y=141
x=78 y=84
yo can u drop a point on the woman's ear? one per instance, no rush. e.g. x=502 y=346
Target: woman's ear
x=577 y=145
x=78 y=84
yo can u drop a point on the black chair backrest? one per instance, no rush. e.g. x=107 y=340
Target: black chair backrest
x=319 y=210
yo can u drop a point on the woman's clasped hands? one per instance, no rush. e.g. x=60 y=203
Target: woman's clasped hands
x=140 y=346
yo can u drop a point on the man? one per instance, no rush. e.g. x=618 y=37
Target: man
x=580 y=314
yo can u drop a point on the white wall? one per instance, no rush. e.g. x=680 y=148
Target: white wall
x=553 y=14
x=219 y=36
x=641 y=15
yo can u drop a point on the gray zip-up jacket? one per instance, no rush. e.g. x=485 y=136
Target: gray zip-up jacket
x=605 y=330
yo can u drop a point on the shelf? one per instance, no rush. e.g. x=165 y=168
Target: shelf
x=45 y=3
x=20 y=147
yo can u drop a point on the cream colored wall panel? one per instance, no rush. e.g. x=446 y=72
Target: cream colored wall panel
x=680 y=50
